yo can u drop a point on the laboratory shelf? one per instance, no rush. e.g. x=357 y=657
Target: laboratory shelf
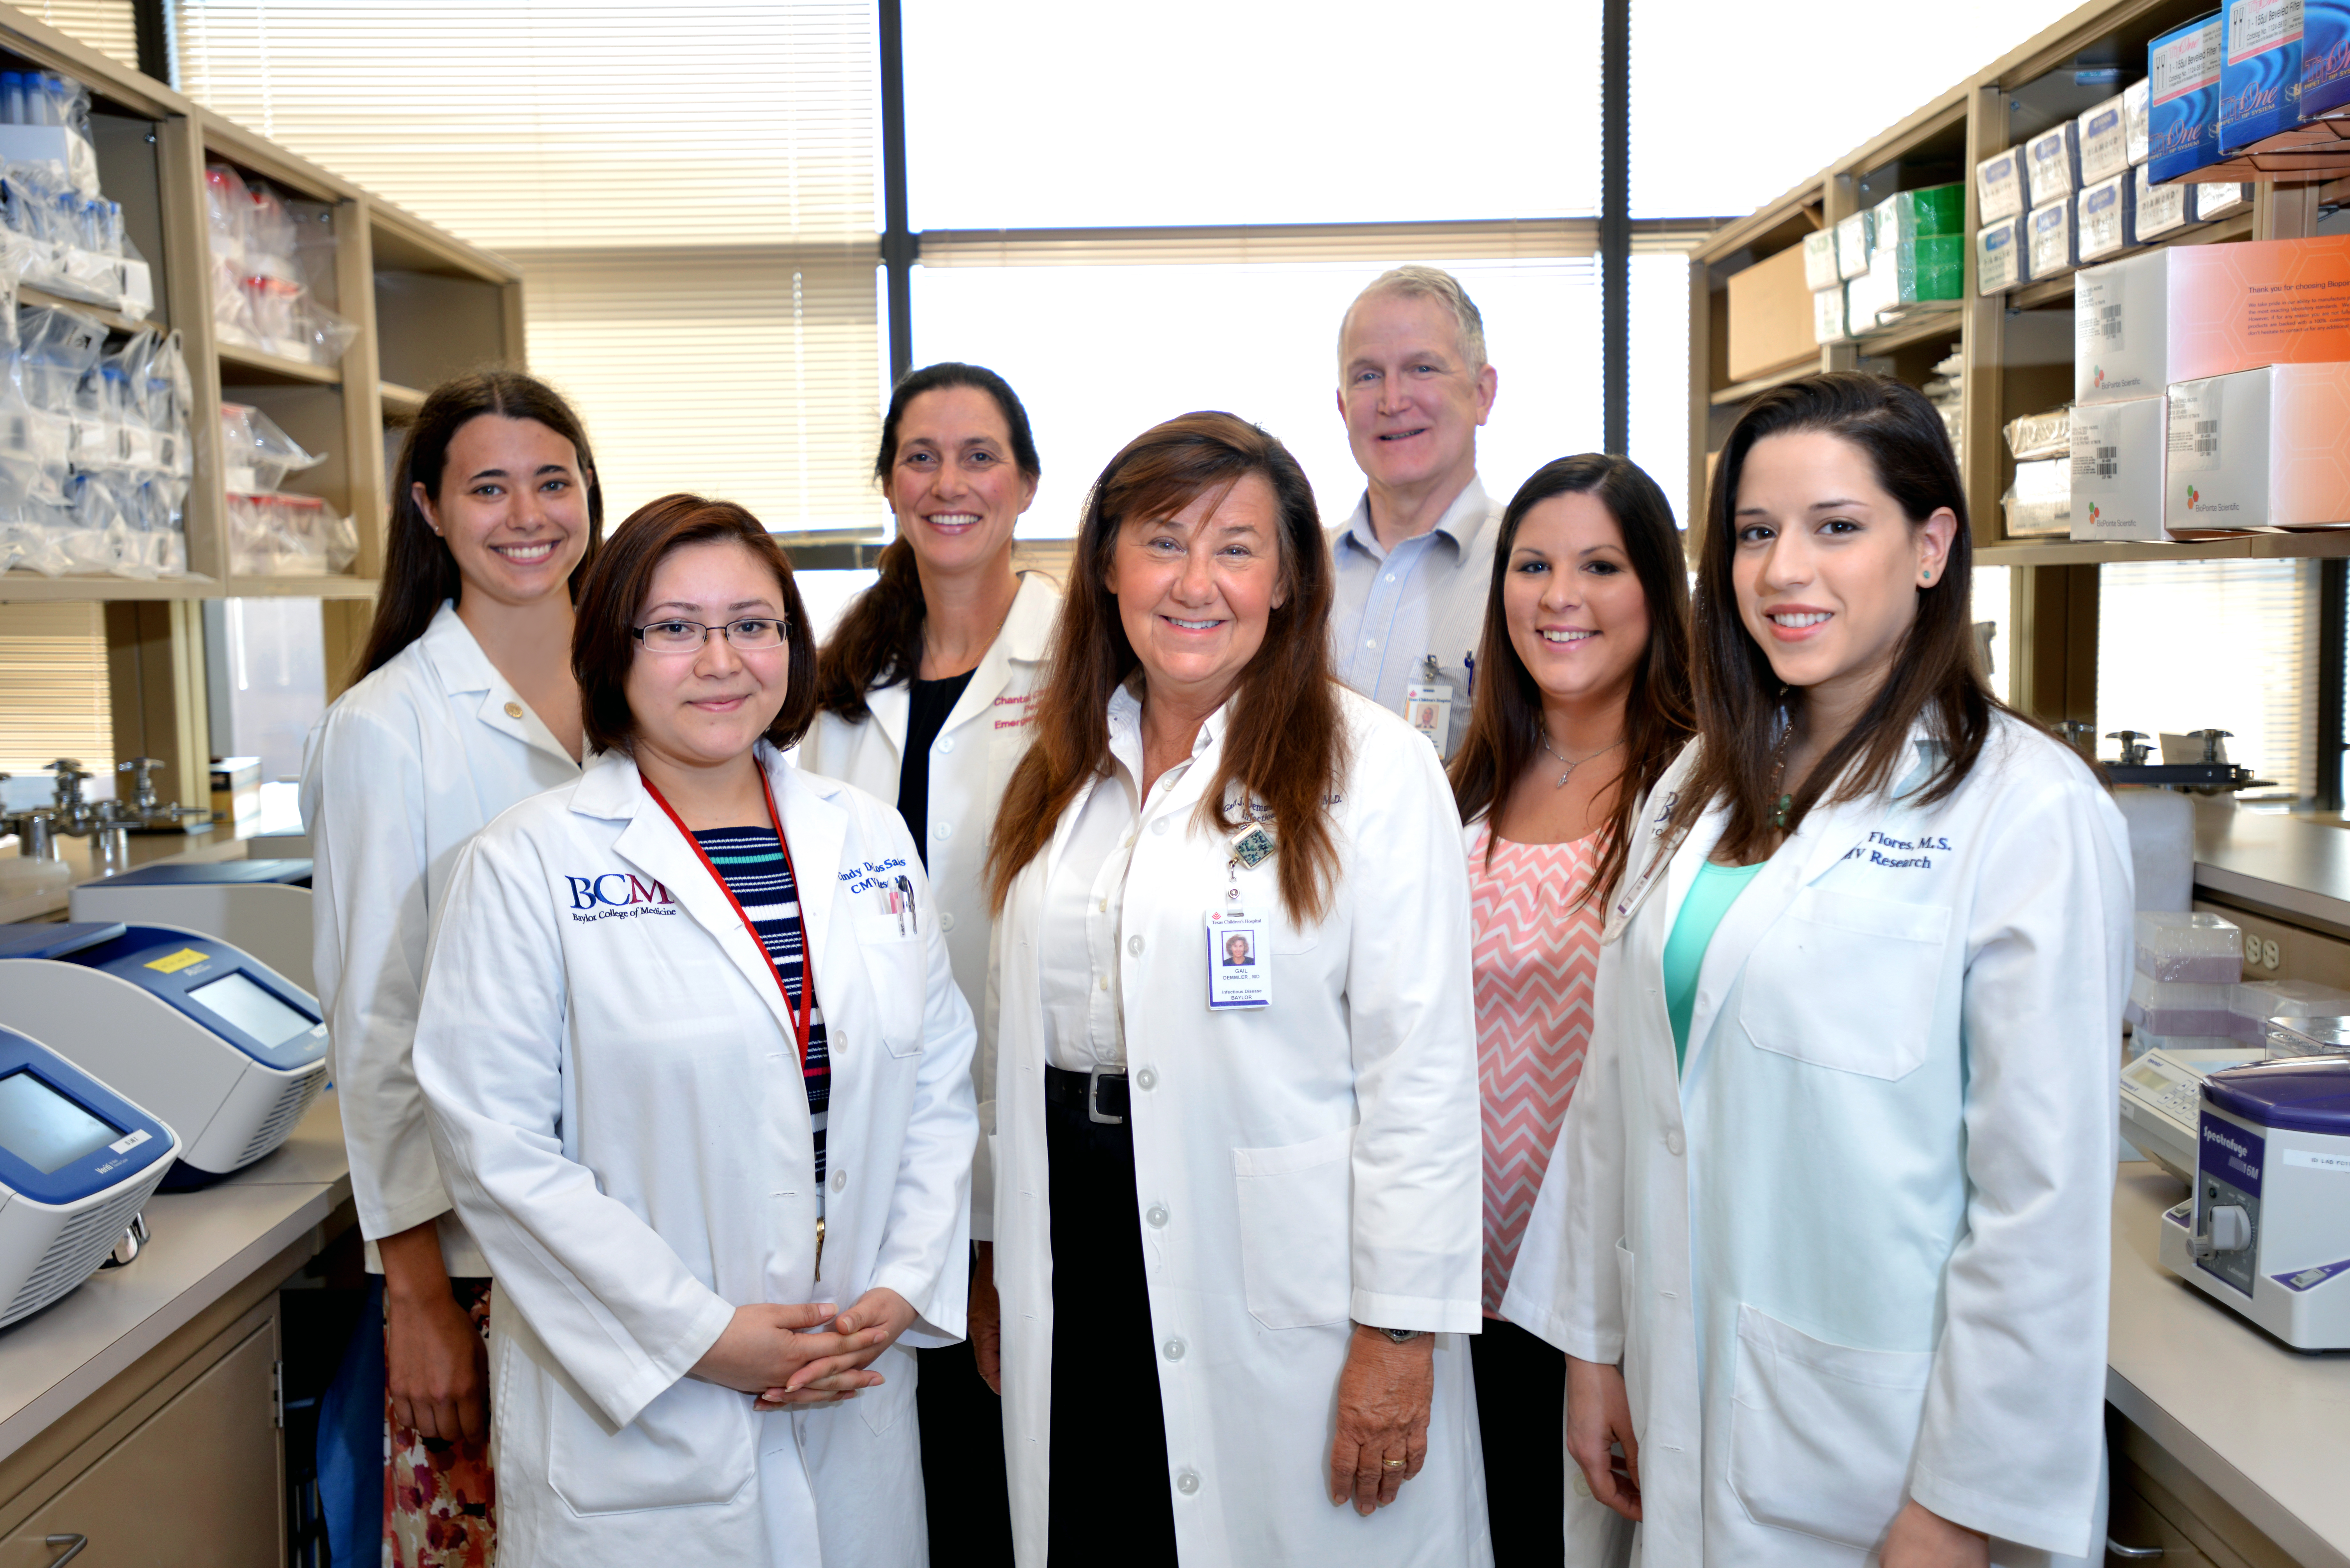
x=399 y=402
x=31 y=587
x=2316 y=545
x=1743 y=391
x=115 y=320
x=325 y=585
x=2058 y=291
x=240 y=365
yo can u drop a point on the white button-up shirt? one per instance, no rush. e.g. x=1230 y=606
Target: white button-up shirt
x=1396 y=608
x=1084 y=992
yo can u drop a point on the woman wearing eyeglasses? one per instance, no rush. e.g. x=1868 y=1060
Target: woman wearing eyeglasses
x=699 y=1076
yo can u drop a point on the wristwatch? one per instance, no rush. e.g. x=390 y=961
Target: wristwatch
x=1399 y=1335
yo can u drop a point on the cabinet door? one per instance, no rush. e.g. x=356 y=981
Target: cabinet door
x=195 y=1485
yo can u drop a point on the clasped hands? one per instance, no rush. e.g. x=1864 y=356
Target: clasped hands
x=806 y=1354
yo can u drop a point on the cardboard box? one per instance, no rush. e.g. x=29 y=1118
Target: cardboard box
x=1820 y=260
x=2183 y=108
x=2105 y=143
x=2324 y=58
x=2186 y=312
x=2002 y=186
x=2268 y=448
x=2049 y=234
x=2158 y=210
x=1852 y=242
x=2137 y=100
x=2002 y=260
x=2054 y=158
x=236 y=792
x=2039 y=505
x=1877 y=289
x=2221 y=199
x=1827 y=315
x=2103 y=215
x=2119 y=455
x=2260 y=72
x=1770 y=316
x=1927 y=212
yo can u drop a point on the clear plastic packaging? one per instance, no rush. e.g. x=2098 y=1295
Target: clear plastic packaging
x=259 y=453
x=2259 y=1000
x=288 y=535
x=2306 y=1036
x=2193 y=949
x=2033 y=436
x=272 y=257
x=61 y=232
x=2171 y=1007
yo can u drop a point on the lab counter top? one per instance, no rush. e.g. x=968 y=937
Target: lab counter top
x=2289 y=866
x=2260 y=1424
x=203 y=1245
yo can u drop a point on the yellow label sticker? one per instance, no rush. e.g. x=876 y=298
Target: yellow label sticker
x=172 y=963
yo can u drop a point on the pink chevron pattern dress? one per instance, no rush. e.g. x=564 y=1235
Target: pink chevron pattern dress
x=1535 y=957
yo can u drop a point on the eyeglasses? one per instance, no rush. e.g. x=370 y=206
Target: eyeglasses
x=688 y=635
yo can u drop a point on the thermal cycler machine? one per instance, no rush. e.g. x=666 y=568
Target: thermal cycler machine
x=2267 y=1230
x=224 y=1048
x=260 y=905
x=77 y=1162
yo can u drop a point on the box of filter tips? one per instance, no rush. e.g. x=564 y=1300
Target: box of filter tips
x=2259 y=71
x=2185 y=312
x=2265 y=448
x=2183 y=106
x=2118 y=456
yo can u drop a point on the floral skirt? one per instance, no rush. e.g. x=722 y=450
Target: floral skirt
x=440 y=1500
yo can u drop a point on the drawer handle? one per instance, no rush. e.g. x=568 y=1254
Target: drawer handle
x=2113 y=1548
x=73 y=1545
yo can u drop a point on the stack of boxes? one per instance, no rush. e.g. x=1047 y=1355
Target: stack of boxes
x=2212 y=390
x=2183 y=986
x=1874 y=266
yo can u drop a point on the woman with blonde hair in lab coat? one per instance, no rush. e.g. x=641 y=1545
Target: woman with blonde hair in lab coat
x=700 y=1077
x=922 y=698
x=1825 y=1237
x=1236 y=1205
x=465 y=705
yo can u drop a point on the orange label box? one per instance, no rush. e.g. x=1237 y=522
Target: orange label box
x=2268 y=448
x=2188 y=312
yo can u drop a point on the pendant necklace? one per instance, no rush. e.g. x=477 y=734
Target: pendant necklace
x=1778 y=774
x=1543 y=731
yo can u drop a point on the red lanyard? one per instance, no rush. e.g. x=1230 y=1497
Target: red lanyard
x=807 y=975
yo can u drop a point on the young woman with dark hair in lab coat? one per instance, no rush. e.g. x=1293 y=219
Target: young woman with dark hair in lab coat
x=467 y=705
x=1825 y=1237
x=700 y=1077
x=922 y=698
x=1582 y=702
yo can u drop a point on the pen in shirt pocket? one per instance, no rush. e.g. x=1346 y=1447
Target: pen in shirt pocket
x=906 y=901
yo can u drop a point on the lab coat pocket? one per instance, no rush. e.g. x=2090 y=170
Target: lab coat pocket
x=693 y=1447
x=1879 y=1028
x=882 y=1408
x=1821 y=1434
x=1296 y=1214
x=897 y=961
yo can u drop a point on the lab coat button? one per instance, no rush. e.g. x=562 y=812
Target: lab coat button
x=1133 y=946
x=1105 y=982
x=1187 y=1481
x=1673 y=1143
x=840 y=1181
x=1146 y=1079
x=1157 y=1216
x=1173 y=1350
x=946 y=744
x=946 y=922
x=1160 y=825
x=514 y=710
x=943 y=830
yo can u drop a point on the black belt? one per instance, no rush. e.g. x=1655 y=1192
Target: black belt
x=1101 y=1095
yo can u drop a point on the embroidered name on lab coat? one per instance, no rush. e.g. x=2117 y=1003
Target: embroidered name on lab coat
x=866 y=875
x=1899 y=854
x=617 y=896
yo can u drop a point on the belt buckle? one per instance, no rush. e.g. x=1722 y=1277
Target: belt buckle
x=1093 y=1098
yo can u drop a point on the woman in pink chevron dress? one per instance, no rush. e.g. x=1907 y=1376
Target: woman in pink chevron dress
x=1582 y=699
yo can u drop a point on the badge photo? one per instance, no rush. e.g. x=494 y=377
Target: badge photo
x=1240 y=965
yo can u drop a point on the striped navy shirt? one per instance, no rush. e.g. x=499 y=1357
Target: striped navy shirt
x=752 y=862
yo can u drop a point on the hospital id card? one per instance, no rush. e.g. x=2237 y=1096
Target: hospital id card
x=1240 y=965
x=1429 y=706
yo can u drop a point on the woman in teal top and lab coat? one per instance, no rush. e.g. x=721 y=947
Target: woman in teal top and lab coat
x=1824 y=1236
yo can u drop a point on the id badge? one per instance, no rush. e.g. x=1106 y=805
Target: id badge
x=1429 y=707
x=1240 y=965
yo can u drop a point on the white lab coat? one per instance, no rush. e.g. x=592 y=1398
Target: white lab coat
x=983 y=739
x=1857 y=1252
x=1294 y=1167
x=626 y=1217
x=397 y=777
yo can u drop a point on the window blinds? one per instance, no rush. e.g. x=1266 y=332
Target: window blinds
x=106 y=26
x=2262 y=689
x=53 y=666
x=688 y=191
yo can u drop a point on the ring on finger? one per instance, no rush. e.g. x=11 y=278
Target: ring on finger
x=1393 y=1464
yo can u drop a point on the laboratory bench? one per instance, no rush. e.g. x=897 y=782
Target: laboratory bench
x=2229 y=1445
x=201 y=847
x=142 y=1410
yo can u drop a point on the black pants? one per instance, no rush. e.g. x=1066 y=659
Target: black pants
x=1521 y=1416
x=963 y=1487
x=1110 y=1502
